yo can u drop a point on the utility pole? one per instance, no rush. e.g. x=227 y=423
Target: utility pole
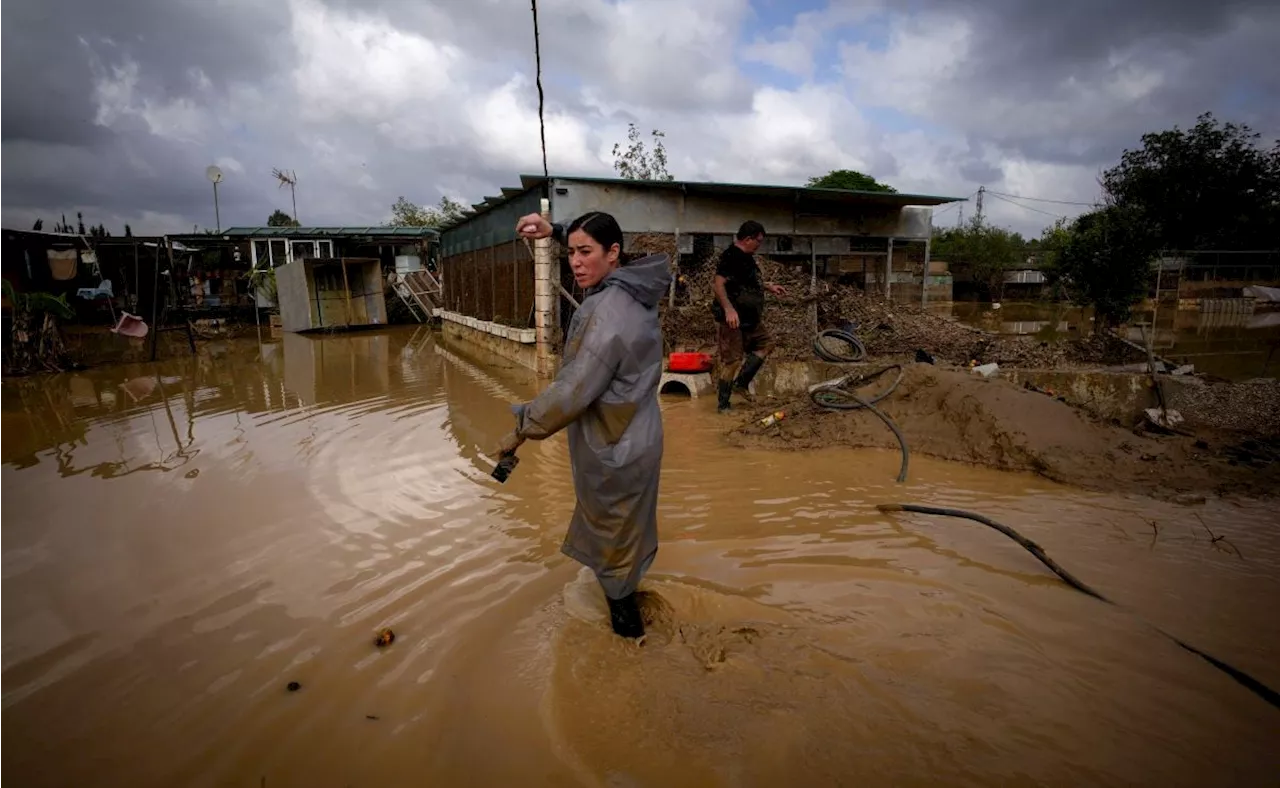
x=981 y=190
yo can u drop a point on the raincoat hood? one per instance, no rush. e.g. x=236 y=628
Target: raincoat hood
x=646 y=280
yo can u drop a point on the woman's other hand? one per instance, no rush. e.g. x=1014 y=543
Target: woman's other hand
x=533 y=226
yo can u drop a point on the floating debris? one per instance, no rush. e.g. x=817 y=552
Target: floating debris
x=294 y=686
x=385 y=638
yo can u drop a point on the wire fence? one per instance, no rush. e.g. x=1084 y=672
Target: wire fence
x=494 y=283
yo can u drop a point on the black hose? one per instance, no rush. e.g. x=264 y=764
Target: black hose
x=839 y=395
x=1249 y=682
x=859 y=352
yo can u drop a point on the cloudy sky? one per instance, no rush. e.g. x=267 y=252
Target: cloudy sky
x=115 y=109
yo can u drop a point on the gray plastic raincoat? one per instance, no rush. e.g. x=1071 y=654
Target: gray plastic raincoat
x=606 y=396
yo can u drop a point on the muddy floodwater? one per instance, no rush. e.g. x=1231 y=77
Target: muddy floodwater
x=1231 y=345
x=183 y=540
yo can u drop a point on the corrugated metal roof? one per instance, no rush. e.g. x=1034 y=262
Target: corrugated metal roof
x=896 y=199
x=848 y=196
x=331 y=232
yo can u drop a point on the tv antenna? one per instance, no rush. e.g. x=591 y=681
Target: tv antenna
x=214 y=174
x=289 y=179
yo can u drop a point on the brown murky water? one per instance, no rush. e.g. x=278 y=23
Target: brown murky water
x=182 y=540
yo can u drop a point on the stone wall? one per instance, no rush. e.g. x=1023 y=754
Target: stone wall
x=513 y=344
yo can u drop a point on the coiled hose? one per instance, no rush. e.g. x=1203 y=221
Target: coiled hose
x=845 y=335
x=1249 y=682
x=839 y=394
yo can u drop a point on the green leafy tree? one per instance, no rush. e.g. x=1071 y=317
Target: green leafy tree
x=851 y=180
x=1104 y=260
x=984 y=251
x=638 y=163
x=1210 y=187
x=408 y=214
x=281 y=219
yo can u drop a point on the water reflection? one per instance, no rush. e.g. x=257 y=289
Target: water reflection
x=300 y=494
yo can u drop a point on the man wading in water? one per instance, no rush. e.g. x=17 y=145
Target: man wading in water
x=606 y=396
x=739 y=313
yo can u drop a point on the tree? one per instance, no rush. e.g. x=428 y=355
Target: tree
x=128 y=231
x=1211 y=187
x=408 y=214
x=1104 y=260
x=851 y=180
x=281 y=219
x=637 y=163
x=986 y=252
x=38 y=226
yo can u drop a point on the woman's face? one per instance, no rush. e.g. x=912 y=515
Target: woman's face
x=589 y=260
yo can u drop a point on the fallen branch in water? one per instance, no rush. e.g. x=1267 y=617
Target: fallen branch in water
x=1215 y=538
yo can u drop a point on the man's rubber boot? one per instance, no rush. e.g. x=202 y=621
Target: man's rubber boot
x=723 y=392
x=750 y=367
x=624 y=615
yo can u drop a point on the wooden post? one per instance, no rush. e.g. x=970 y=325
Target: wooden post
x=813 y=280
x=888 y=273
x=545 y=297
x=155 y=305
x=924 y=278
x=346 y=286
x=173 y=285
x=675 y=259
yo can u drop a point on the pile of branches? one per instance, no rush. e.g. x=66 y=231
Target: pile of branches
x=886 y=329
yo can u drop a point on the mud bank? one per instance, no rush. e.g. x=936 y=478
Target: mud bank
x=955 y=415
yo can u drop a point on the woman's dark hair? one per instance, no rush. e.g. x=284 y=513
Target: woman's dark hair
x=602 y=228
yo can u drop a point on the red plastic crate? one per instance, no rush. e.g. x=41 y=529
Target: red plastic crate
x=689 y=362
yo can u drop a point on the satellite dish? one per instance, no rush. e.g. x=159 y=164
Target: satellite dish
x=213 y=174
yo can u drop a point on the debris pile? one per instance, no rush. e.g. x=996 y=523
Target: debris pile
x=887 y=329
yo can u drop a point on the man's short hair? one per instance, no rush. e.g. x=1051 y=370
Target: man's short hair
x=750 y=229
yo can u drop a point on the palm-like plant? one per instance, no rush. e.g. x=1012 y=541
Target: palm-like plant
x=35 y=342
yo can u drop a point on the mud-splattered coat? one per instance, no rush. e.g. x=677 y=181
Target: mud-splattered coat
x=606 y=396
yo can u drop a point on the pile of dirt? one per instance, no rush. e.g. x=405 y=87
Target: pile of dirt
x=887 y=329
x=953 y=414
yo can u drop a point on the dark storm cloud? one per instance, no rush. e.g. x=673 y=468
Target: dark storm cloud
x=58 y=158
x=1215 y=57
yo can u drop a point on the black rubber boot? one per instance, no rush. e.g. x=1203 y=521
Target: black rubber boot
x=624 y=615
x=723 y=392
x=750 y=367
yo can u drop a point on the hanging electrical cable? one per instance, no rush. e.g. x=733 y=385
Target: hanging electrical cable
x=537 y=58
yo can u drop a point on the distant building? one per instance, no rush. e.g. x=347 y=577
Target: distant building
x=877 y=239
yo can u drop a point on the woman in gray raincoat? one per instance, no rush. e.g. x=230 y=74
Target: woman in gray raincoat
x=606 y=396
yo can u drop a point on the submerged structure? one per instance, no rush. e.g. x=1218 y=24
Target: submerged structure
x=332 y=277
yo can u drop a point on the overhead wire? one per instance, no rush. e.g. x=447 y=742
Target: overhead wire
x=1041 y=199
x=956 y=204
x=1026 y=207
x=537 y=56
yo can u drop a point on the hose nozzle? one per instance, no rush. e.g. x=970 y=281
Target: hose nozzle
x=506 y=464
